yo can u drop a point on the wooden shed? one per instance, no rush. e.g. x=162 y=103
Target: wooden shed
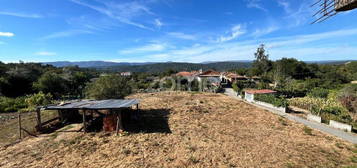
x=110 y=110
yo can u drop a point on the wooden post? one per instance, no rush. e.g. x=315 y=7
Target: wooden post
x=60 y=115
x=20 y=127
x=39 y=123
x=119 y=123
x=84 y=121
x=137 y=112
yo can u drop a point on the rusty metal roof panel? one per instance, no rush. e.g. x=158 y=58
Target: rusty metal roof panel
x=94 y=104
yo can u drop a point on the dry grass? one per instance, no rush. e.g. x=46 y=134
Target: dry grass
x=202 y=130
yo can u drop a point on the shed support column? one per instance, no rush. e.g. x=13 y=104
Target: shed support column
x=84 y=121
x=39 y=123
x=119 y=123
x=137 y=112
x=20 y=127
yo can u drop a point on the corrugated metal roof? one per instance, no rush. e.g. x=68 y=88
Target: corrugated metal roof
x=94 y=104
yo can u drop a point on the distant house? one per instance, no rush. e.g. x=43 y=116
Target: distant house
x=210 y=74
x=249 y=94
x=125 y=73
x=184 y=74
x=229 y=77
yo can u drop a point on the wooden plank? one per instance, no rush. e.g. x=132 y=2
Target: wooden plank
x=39 y=123
x=28 y=132
x=20 y=127
x=84 y=121
x=48 y=121
x=119 y=123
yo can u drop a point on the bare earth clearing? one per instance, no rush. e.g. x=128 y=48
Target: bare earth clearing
x=181 y=129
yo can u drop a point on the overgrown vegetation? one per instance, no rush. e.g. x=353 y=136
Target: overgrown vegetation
x=272 y=99
x=108 y=87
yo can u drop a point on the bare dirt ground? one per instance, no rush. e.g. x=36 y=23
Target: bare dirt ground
x=180 y=129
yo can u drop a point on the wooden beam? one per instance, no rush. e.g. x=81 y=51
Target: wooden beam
x=20 y=127
x=39 y=123
x=119 y=123
x=84 y=121
x=60 y=115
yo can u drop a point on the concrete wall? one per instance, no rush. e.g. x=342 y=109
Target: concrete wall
x=314 y=118
x=249 y=97
x=281 y=109
x=339 y=125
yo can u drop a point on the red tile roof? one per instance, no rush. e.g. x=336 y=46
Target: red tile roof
x=210 y=73
x=184 y=73
x=263 y=91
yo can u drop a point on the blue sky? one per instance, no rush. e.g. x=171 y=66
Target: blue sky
x=170 y=30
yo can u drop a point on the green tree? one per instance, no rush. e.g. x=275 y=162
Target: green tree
x=108 y=87
x=262 y=64
x=53 y=83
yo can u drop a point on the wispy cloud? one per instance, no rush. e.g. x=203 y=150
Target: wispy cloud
x=180 y=35
x=45 y=53
x=122 y=12
x=23 y=15
x=68 y=33
x=264 y=31
x=255 y=4
x=296 y=14
x=298 y=46
x=87 y=22
x=6 y=34
x=235 y=32
x=158 y=23
x=154 y=47
x=286 y=5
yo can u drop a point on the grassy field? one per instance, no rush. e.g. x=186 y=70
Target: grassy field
x=9 y=129
x=180 y=129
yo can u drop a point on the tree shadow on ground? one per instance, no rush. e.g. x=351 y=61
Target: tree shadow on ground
x=150 y=121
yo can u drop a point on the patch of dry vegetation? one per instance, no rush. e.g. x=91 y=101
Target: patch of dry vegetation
x=202 y=130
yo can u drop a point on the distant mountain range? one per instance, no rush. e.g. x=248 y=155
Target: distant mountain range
x=92 y=64
x=164 y=66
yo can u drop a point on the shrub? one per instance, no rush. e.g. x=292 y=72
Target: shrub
x=12 y=104
x=108 y=87
x=38 y=99
x=272 y=99
x=348 y=97
x=318 y=93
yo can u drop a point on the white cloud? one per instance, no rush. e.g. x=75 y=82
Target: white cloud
x=68 y=33
x=158 y=23
x=298 y=46
x=255 y=4
x=297 y=14
x=286 y=5
x=122 y=12
x=155 y=47
x=182 y=35
x=236 y=31
x=46 y=53
x=264 y=31
x=23 y=15
x=6 y=34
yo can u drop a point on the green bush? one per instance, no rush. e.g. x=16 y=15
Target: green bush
x=272 y=99
x=38 y=99
x=318 y=93
x=12 y=104
x=108 y=87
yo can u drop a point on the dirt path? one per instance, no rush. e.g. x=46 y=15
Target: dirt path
x=321 y=127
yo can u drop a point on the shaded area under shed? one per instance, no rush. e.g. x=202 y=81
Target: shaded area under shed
x=109 y=112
